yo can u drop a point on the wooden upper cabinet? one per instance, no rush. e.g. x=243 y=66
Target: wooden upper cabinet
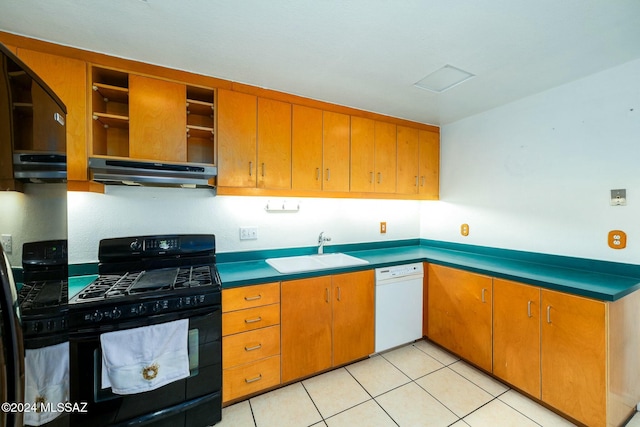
x=274 y=144
x=336 y=136
x=408 y=143
x=237 y=127
x=306 y=148
x=386 y=157
x=574 y=358
x=516 y=335
x=157 y=119
x=67 y=78
x=363 y=159
x=429 y=164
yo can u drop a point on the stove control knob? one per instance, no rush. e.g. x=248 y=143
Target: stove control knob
x=142 y=309
x=97 y=316
x=135 y=245
x=157 y=307
x=115 y=313
x=180 y=303
x=37 y=326
x=50 y=325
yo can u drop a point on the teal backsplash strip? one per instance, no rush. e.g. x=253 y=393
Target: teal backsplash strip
x=605 y=267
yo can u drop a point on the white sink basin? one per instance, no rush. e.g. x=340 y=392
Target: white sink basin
x=298 y=264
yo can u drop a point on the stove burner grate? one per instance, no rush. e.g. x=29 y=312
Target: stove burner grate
x=118 y=285
x=41 y=294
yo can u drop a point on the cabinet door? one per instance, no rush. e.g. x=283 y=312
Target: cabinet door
x=306 y=148
x=306 y=327
x=460 y=313
x=408 y=140
x=335 y=151
x=157 y=119
x=429 y=164
x=237 y=125
x=274 y=144
x=516 y=335
x=67 y=78
x=362 y=154
x=574 y=356
x=386 y=157
x=353 y=316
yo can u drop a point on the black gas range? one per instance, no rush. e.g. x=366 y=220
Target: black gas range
x=143 y=276
x=44 y=293
x=145 y=281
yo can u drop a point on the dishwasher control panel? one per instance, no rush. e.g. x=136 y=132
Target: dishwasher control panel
x=398 y=271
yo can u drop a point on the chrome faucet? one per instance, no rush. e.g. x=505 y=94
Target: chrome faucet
x=321 y=242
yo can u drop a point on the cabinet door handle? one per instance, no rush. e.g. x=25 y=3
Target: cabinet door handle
x=263 y=169
x=529 y=308
x=416 y=180
x=422 y=180
x=339 y=293
x=379 y=177
x=253 y=380
x=258 y=319
x=253 y=298
x=326 y=297
x=548 y=314
x=250 y=168
x=255 y=347
x=483 y=298
x=317 y=174
x=328 y=174
x=371 y=177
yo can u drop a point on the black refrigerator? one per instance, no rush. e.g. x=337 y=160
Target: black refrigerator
x=11 y=348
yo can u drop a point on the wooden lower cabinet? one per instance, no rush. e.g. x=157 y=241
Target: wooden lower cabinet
x=250 y=340
x=460 y=313
x=326 y=321
x=516 y=335
x=578 y=355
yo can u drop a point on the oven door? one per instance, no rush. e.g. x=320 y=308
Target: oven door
x=193 y=401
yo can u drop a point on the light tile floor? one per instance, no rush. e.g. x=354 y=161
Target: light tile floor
x=415 y=385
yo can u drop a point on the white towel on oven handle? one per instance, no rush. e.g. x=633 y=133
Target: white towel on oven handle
x=146 y=358
x=46 y=381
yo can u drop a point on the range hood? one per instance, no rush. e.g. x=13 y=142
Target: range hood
x=40 y=167
x=147 y=173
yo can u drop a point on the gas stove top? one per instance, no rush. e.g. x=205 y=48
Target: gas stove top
x=110 y=286
x=148 y=275
x=42 y=296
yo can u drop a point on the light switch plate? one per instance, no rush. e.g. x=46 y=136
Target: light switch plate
x=248 y=233
x=7 y=242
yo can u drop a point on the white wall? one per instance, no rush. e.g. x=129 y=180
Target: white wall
x=127 y=211
x=536 y=174
x=40 y=213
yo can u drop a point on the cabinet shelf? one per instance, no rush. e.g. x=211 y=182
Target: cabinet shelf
x=111 y=93
x=199 y=131
x=202 y=108
x=112 y=120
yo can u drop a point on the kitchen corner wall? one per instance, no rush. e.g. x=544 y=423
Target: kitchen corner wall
x=536 y=174
x=133 y=211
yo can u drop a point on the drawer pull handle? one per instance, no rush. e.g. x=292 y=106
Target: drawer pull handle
x=255 y=347
x=254 y=320
x=253 y=298
x=253 y=380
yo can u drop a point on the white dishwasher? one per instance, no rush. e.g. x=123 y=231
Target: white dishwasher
x=398 y=305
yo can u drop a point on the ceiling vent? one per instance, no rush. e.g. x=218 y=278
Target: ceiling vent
x=444 y=79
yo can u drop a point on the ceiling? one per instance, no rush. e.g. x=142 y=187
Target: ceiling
x=365 y=54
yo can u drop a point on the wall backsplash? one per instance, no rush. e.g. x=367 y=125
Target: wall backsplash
x=126 y=211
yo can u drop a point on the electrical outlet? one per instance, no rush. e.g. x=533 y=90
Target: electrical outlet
x=383 y=227
x=7 y=242
x=248 y=233
x=464 y=229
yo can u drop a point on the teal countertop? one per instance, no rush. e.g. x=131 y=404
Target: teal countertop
x=596 y=279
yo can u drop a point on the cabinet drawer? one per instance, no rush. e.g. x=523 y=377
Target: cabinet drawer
x=250 y=378
x=250 y=346
x=250 y=296
x=250 y=319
